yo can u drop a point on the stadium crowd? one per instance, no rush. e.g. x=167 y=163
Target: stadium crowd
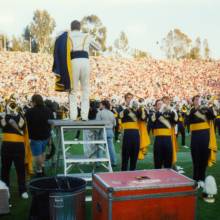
x=111 y=77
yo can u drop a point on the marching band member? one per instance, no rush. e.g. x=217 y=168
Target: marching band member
x=71 y=66
x=15 y=146
x=203 y=140
x=217 y=119
x=80 y=69
x=131 y=137
x=165 y=145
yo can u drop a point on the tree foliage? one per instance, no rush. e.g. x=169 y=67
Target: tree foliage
x=19 y=44
x=41 y=29
x=30 y=40
x=121 y=43
x=206 y=49
x=93 y=25
x=195 y=51
x=121 y=46
x=176 y=44
x=137 y=54
x=4 y=42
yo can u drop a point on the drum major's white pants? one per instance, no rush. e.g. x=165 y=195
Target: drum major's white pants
x=81 y=73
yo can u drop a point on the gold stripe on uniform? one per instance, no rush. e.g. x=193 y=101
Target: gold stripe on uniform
x=130 y=125
x=162 y=132
x=69 y=64
x=181 y=119
x=8 y=137
x=199 y=126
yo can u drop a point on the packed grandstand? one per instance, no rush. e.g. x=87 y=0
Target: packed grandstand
x=112 y=77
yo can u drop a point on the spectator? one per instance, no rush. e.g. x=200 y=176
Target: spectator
x=106 y=115
x=39 y=130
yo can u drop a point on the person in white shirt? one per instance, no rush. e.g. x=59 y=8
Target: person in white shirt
x=81 y=43
x=106 y=115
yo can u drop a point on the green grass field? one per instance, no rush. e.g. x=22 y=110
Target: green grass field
x=205 y=211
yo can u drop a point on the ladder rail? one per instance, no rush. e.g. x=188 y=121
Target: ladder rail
x=107 y=148
x=65 y=145
x=64 y=151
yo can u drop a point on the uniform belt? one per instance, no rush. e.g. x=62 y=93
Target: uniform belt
x=199 y=126
x=8 y=137
x=79 y=54
x=130 y=125
x=218 y=117
x=181 y=119
x=162 y=132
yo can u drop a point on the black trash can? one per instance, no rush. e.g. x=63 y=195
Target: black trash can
x=57 y=198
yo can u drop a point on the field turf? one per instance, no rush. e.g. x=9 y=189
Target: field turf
x=205 y=211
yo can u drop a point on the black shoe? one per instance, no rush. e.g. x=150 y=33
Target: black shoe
x=39 y=175
x=43 y=171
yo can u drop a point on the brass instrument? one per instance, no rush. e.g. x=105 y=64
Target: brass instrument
x=184 y=109
x=12 y=108
x=134 y=105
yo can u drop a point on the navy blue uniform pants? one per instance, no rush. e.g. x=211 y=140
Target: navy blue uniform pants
x=181 y=130
x=130 y=149
x=200 y=153
x=217 y=125
x=13 y=153
x=163 y=152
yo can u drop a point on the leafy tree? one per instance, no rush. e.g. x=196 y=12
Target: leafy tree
x=121 y=44
x=18 y=44
x=93 y=25
x=29 y=39
x=195 y=52
x=4 y=42
x=137 y=54
x=206 y=49
x=41 y=29
x=176 y=44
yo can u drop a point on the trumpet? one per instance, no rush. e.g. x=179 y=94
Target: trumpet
x=185 y=109
x=13 y=108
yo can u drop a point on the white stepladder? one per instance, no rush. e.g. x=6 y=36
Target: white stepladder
x=99 y=157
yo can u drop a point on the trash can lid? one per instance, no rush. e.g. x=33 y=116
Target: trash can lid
x=57 y=184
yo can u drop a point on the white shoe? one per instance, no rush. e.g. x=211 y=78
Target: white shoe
x=209 y=199
x=76 y=139
x=186 y=147
x=201 y=184
x=181 y=171
x=118 y=141
x=179 y=168
x=24 y=195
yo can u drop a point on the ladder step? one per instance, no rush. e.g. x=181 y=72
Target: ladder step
x=83 y=142
x=86 y=160
x=88 y=198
